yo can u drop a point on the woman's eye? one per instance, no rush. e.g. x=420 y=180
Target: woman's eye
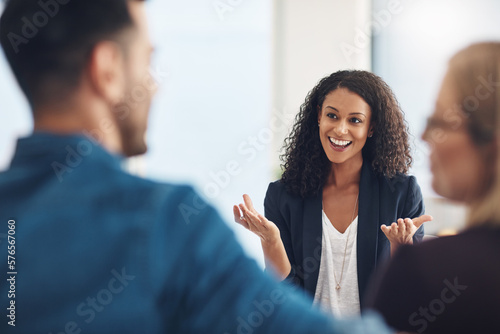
x=330 y=115
x=355 y=120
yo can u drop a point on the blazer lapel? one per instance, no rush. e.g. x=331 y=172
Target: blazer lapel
x=312 y=232
x=368 y=226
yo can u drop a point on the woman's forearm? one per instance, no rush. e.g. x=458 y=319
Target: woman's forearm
x=276 y=258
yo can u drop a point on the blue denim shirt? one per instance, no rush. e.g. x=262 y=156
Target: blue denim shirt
x=97 y=250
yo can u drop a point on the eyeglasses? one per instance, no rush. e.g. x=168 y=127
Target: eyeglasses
x=452 y=119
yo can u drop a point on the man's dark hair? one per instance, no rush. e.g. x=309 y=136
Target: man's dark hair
x=48 y=42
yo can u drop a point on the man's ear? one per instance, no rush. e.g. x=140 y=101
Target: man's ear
x=106 y=67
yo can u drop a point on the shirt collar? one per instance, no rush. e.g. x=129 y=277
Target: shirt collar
x=46 y=145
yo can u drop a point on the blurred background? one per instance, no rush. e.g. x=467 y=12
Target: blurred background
x=233 y=74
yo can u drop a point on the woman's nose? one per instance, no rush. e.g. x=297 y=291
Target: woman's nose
x=341 y=129
x=425 y=135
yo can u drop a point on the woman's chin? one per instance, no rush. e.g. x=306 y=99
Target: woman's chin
x=450 y=193
x=438 y=187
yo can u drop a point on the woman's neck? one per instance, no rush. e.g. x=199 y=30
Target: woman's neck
x=345 y=174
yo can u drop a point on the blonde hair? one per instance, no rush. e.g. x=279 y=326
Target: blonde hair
x=475 y=72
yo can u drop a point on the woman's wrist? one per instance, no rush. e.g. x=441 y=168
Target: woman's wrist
x=399 y=243
x=395 y=245
x=271 y=243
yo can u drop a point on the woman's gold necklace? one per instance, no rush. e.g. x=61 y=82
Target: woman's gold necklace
x=345 y=249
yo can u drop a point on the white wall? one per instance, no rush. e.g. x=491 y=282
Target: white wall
x=15 y=117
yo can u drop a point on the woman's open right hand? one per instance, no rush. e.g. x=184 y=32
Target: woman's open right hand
x=269 y=234
x=246 y=215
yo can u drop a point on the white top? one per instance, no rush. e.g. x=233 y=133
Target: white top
x=343 y=302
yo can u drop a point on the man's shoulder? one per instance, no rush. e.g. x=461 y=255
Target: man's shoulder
x=167 y=188
x=161 y=193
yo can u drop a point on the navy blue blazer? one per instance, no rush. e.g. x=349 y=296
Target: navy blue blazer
x=381 y=201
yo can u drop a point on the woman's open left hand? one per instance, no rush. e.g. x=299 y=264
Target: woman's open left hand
x=402 y=232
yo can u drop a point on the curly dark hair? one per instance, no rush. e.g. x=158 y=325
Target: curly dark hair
x=305 y=164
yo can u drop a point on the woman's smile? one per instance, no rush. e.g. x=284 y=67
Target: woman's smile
x=339 y=145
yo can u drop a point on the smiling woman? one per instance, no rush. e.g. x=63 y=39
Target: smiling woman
x=345 y=166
